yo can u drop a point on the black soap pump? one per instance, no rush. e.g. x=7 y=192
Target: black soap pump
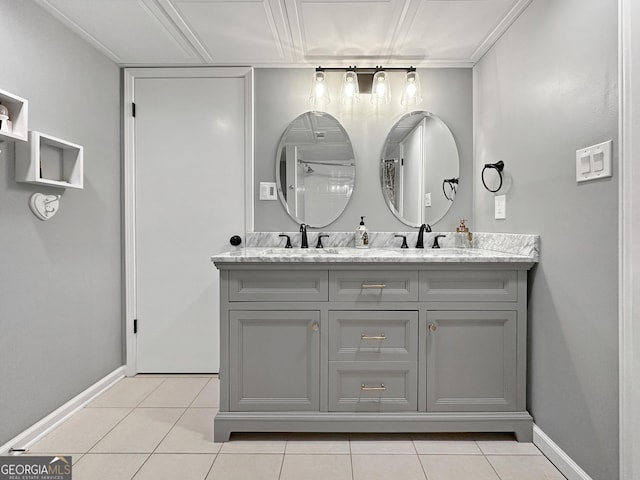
x=362 y=235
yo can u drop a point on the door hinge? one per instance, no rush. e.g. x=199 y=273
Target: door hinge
x=133 y=109
x=401 y=160
x=135 y=326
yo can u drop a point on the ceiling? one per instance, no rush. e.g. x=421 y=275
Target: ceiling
x=422 y=33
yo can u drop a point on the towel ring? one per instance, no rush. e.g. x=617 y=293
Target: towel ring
x=498 y=166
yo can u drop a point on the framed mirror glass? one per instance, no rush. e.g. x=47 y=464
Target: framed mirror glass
x=419 y=169
x=315 y=169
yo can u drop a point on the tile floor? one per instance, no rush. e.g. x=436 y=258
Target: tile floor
x=160 y=427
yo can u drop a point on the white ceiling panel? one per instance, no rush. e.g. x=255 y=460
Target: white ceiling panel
x=421 y=33
x=128 y=31
x=356 y=29
x=450 y=30
x=235 y=31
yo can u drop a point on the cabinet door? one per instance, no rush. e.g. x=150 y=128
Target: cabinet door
x=274 y=360
x=471 y=361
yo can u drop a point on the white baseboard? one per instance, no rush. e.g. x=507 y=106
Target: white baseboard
x=557 y=456
x=38 y=430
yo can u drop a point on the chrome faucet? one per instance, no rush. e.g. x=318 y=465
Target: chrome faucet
x=303 y=231
x=423 y=228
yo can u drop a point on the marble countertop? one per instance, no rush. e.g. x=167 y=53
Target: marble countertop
x=369 y=255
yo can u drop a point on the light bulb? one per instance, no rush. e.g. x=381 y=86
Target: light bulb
x=349 y=88
x=350 y=92
x=319 y=93
x=380 y=88
x=411 y=94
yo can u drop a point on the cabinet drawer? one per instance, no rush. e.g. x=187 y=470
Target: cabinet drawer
x=373 y=285
x=279 y=285
x=372 y=386
x=373 y=335
x=468 y=286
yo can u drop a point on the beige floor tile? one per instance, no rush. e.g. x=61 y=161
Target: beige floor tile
x=75 y=457
x=140 y=432
x=175 y=392
x=457 y=467
x=176 y=466
x=445 y=443
x=386 y=467
x=108 y=466
x=507 y=447
x=193 y=433
x=209 y=396
x=81 y=431
x=128 y=392
x=316 y=467
x=318 y=443
x=255 y=443
x=382 y=443
x=524 y=467
x=249 y=467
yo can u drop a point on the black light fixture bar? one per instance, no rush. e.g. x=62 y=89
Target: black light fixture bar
x=375 y=69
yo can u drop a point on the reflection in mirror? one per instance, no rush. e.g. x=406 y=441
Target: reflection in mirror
x=419 y=169
x=315 y=169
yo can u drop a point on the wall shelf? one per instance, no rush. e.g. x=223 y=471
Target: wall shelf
x=47 y=160
x=18 y=113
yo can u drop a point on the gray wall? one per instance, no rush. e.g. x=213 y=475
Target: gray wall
x=60 y=280
x=546 y=89
x=283 y=94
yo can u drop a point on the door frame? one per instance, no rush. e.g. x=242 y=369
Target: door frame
x=129 y=189
x=629 y=230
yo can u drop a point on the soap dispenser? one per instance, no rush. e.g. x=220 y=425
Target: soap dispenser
x=463 y=236
x=362 y=235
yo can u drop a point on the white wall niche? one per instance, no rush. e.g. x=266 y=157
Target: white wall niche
x=47 y=160
x=18 y=114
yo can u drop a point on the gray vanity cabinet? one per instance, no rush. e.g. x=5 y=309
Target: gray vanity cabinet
x=471 y=361
x=274 y=360
x=373 y=347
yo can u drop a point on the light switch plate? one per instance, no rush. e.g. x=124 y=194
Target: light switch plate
x=268 y=191
x=427 y=199
x=500 y=207
x=594 y=162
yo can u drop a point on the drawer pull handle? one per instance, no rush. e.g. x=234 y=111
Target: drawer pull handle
x=315 y=326
x=380 y=388
x=380 y=336
x=433 y=327
x=374 y=285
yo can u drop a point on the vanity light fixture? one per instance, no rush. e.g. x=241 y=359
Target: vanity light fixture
x=350 y=91
x=380 y=91
x=319 y=91
x=374 y=81
x=411 y=94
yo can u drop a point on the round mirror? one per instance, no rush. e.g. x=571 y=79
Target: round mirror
x=419 y=169
x=315 y=169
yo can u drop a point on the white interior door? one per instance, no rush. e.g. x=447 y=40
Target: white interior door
x=189 y=153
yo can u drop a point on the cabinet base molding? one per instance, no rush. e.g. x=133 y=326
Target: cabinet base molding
x=520 y=423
